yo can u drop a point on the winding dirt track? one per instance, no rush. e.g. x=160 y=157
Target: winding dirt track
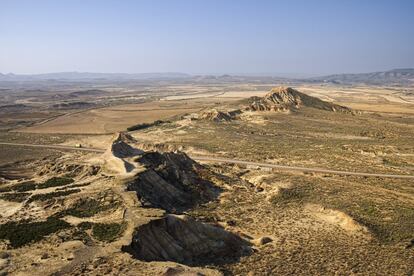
x=232 y=161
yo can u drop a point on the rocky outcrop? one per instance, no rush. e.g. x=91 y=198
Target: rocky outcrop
x=215 y=115
x=161 y=147
x=121 y=147
x=70 y=169
x=219 y=116
x=182 y=239
x=285 y=99
x=117 y=157
x=171 y=181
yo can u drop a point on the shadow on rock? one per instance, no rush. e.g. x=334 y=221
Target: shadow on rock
x=171 y=182
x=183 y=240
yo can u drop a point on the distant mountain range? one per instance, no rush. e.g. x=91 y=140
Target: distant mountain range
x=79 y=76
x=392 y=77
x=396 y=76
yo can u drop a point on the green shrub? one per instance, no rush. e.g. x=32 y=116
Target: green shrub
x=20 y=187
x=15 y=197
x=25 y=186
x=55 y=182
x=86 y=225
x=42 y=197
x=107 y=231
x=81 y=235
x=145 y=125
x=22 y=233
x=288 y=196
x=87 y=208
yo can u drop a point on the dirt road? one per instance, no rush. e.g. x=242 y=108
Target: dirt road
x=233 y=161
x=60 y=147
x=294 y=168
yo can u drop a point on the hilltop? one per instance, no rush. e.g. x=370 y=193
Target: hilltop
x=287 y=98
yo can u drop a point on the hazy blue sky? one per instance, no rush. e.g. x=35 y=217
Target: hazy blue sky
x=195 y=36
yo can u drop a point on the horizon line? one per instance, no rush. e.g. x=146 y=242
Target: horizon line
x=260 y=74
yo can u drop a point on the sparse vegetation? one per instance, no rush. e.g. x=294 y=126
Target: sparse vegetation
x=389 y=219
x=23 y=187
x=88 y=207
x=396 y=228
x=73 y=186
x=287 y=196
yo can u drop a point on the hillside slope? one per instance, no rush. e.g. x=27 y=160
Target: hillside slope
x=284 y=99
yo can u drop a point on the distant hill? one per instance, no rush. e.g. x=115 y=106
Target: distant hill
x=286 y=98
x=11 y=108
x=79 y=76
x=396 y=76
x=392 y=77
x=74 y=105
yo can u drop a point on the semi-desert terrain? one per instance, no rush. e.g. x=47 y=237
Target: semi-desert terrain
x=206 y=175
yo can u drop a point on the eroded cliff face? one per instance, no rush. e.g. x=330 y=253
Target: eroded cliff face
x=184 y=240
x=171 y=181
x=175 y=183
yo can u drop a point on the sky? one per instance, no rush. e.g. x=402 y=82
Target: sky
x=303 y=37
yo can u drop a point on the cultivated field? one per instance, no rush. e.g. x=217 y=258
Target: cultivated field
x=111 y=119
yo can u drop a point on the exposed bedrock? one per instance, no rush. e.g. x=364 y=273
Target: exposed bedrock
x=219 y=116
x=286 y=98
x=183 y=240
x=121 y=147
x=172 y=182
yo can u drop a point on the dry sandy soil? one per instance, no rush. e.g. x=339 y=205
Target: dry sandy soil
x=183 y=99
x=143 y=208
x=376 y=99
x=111 y=119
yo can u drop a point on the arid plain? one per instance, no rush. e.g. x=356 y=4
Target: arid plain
x=158 y=200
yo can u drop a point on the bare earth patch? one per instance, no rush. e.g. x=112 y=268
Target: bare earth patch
x=337 y=218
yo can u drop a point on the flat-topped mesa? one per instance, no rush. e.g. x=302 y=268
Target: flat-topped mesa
x=286 y=98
